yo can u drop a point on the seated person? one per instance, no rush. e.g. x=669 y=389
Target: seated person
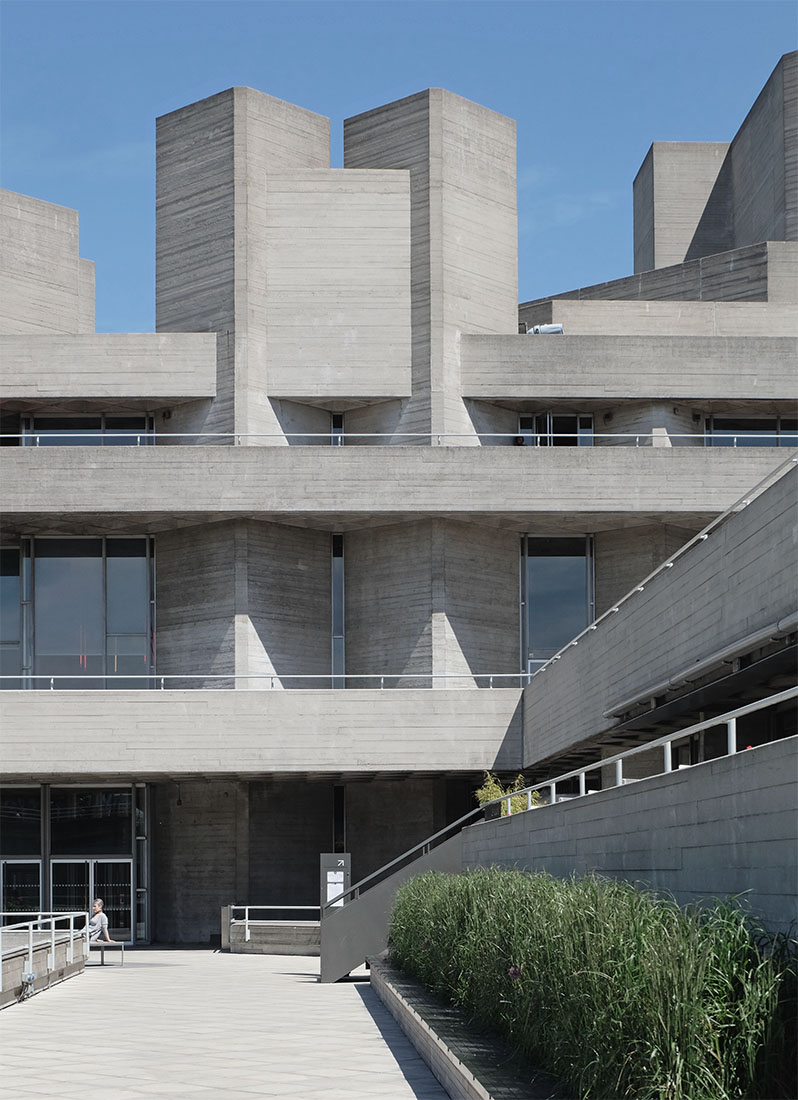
x=98 y=924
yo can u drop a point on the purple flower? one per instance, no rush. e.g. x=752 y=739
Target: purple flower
x=514 y=972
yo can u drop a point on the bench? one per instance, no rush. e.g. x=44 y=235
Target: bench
x=103 y=945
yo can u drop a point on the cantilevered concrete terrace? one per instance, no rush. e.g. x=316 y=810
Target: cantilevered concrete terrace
x=83 y=490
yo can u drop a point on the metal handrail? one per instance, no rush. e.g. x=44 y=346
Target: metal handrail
x=521 y=677
x=248 y=921
x=729 y=719
x=39 y=924
x=539 y=439
x=422 y=849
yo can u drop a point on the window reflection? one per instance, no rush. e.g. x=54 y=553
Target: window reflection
x=558 y=593
x=751 y=431
x=91 y=613
x=87 y=431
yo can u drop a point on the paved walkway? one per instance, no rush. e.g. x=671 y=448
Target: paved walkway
x=196 y=1025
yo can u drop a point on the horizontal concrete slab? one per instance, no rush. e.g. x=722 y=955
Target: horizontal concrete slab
x=670 y=367
x=255 y=733
x=157 y=488
x=741 y=319
x=172 y=366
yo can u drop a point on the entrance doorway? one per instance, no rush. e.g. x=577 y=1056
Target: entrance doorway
x=76 y=882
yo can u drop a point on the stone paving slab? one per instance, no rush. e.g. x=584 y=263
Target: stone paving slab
x=197 y=1025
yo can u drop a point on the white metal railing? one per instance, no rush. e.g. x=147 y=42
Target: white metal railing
x=528 y=793
x=275 y=679
x=40 y=930
x=661 y=438
x=666 y=743
x=248 y=921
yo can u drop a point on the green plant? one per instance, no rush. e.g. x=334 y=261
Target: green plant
x=617 y=992
x=492 y=788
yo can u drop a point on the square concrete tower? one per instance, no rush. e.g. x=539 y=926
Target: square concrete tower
x=213 y=158
x=670 y=193
x=464 y=240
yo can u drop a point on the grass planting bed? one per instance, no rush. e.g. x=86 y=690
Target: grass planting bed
x=612 y=990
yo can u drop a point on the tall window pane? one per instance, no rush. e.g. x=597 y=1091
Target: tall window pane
x=69 y=626
x=128 y=588
x=557 y=593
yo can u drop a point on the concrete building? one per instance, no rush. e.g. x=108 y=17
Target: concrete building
x=275 y=577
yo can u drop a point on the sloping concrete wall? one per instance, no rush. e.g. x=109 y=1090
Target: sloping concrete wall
x=725 y=827
x=741 y=579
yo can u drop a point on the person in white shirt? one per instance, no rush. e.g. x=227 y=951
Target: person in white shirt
x=98 y=923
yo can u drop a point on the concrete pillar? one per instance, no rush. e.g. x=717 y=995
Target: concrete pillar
x=464 y=250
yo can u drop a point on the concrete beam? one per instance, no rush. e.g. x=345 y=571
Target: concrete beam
x=119 y=365
x=256 y=733
x=673 y=367
x=158 y=488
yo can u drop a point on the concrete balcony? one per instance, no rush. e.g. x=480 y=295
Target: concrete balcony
x=595 y=367
x=168 y=367
x=256 y=733
x=150 y=489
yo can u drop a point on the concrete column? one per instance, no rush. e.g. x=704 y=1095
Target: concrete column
x=211 y=229
x=461 y=159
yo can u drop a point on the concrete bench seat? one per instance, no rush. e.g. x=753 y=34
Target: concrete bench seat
x=102 y=947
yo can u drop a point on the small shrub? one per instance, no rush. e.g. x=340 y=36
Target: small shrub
x=618 y=993
x=491 y=789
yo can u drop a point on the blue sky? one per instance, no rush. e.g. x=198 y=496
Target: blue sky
x=591 y=85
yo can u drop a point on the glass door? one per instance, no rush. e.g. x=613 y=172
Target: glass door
x=70 y=886
x=113 y=882
x=76 y=882
x=21 y=889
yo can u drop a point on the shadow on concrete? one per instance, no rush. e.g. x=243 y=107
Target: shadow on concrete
x=419 y=1076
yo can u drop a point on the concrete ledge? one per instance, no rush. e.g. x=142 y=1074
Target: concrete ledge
x=470 y=1066
x=277 y=937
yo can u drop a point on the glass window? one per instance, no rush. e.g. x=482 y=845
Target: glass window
x=788 y=432
x=556 y=429
x=91 y=821
x=10 y=604
x=128 y=586
x=557 y=587
x=20 y=821
x=726 y=431
x=69 y=627
x=92 y=611
x=337 y=429
x=338 y=645
x=87 y=431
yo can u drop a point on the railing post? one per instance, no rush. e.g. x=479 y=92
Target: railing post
x=619 y=773
x=30 y=947
x=382 y=683
x=52 y=684
x=529 y=799
x=552 y=793
x=246 y=924
x=162 y=680
x=71 y=945
x=509 y=802
x=667 y=756
x=51 y=958
x=731 y=736
x=582 y=783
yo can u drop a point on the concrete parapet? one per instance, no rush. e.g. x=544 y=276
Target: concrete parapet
x=150 y=367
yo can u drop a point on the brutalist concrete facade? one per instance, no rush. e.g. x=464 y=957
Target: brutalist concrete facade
x=347 y=457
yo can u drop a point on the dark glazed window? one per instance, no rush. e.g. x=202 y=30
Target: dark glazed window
x=338 y=634
x=557 y=588
x=91 y=821
x=20 y=821
x=751 y=431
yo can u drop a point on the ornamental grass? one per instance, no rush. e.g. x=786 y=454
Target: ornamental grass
x=616 y=992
